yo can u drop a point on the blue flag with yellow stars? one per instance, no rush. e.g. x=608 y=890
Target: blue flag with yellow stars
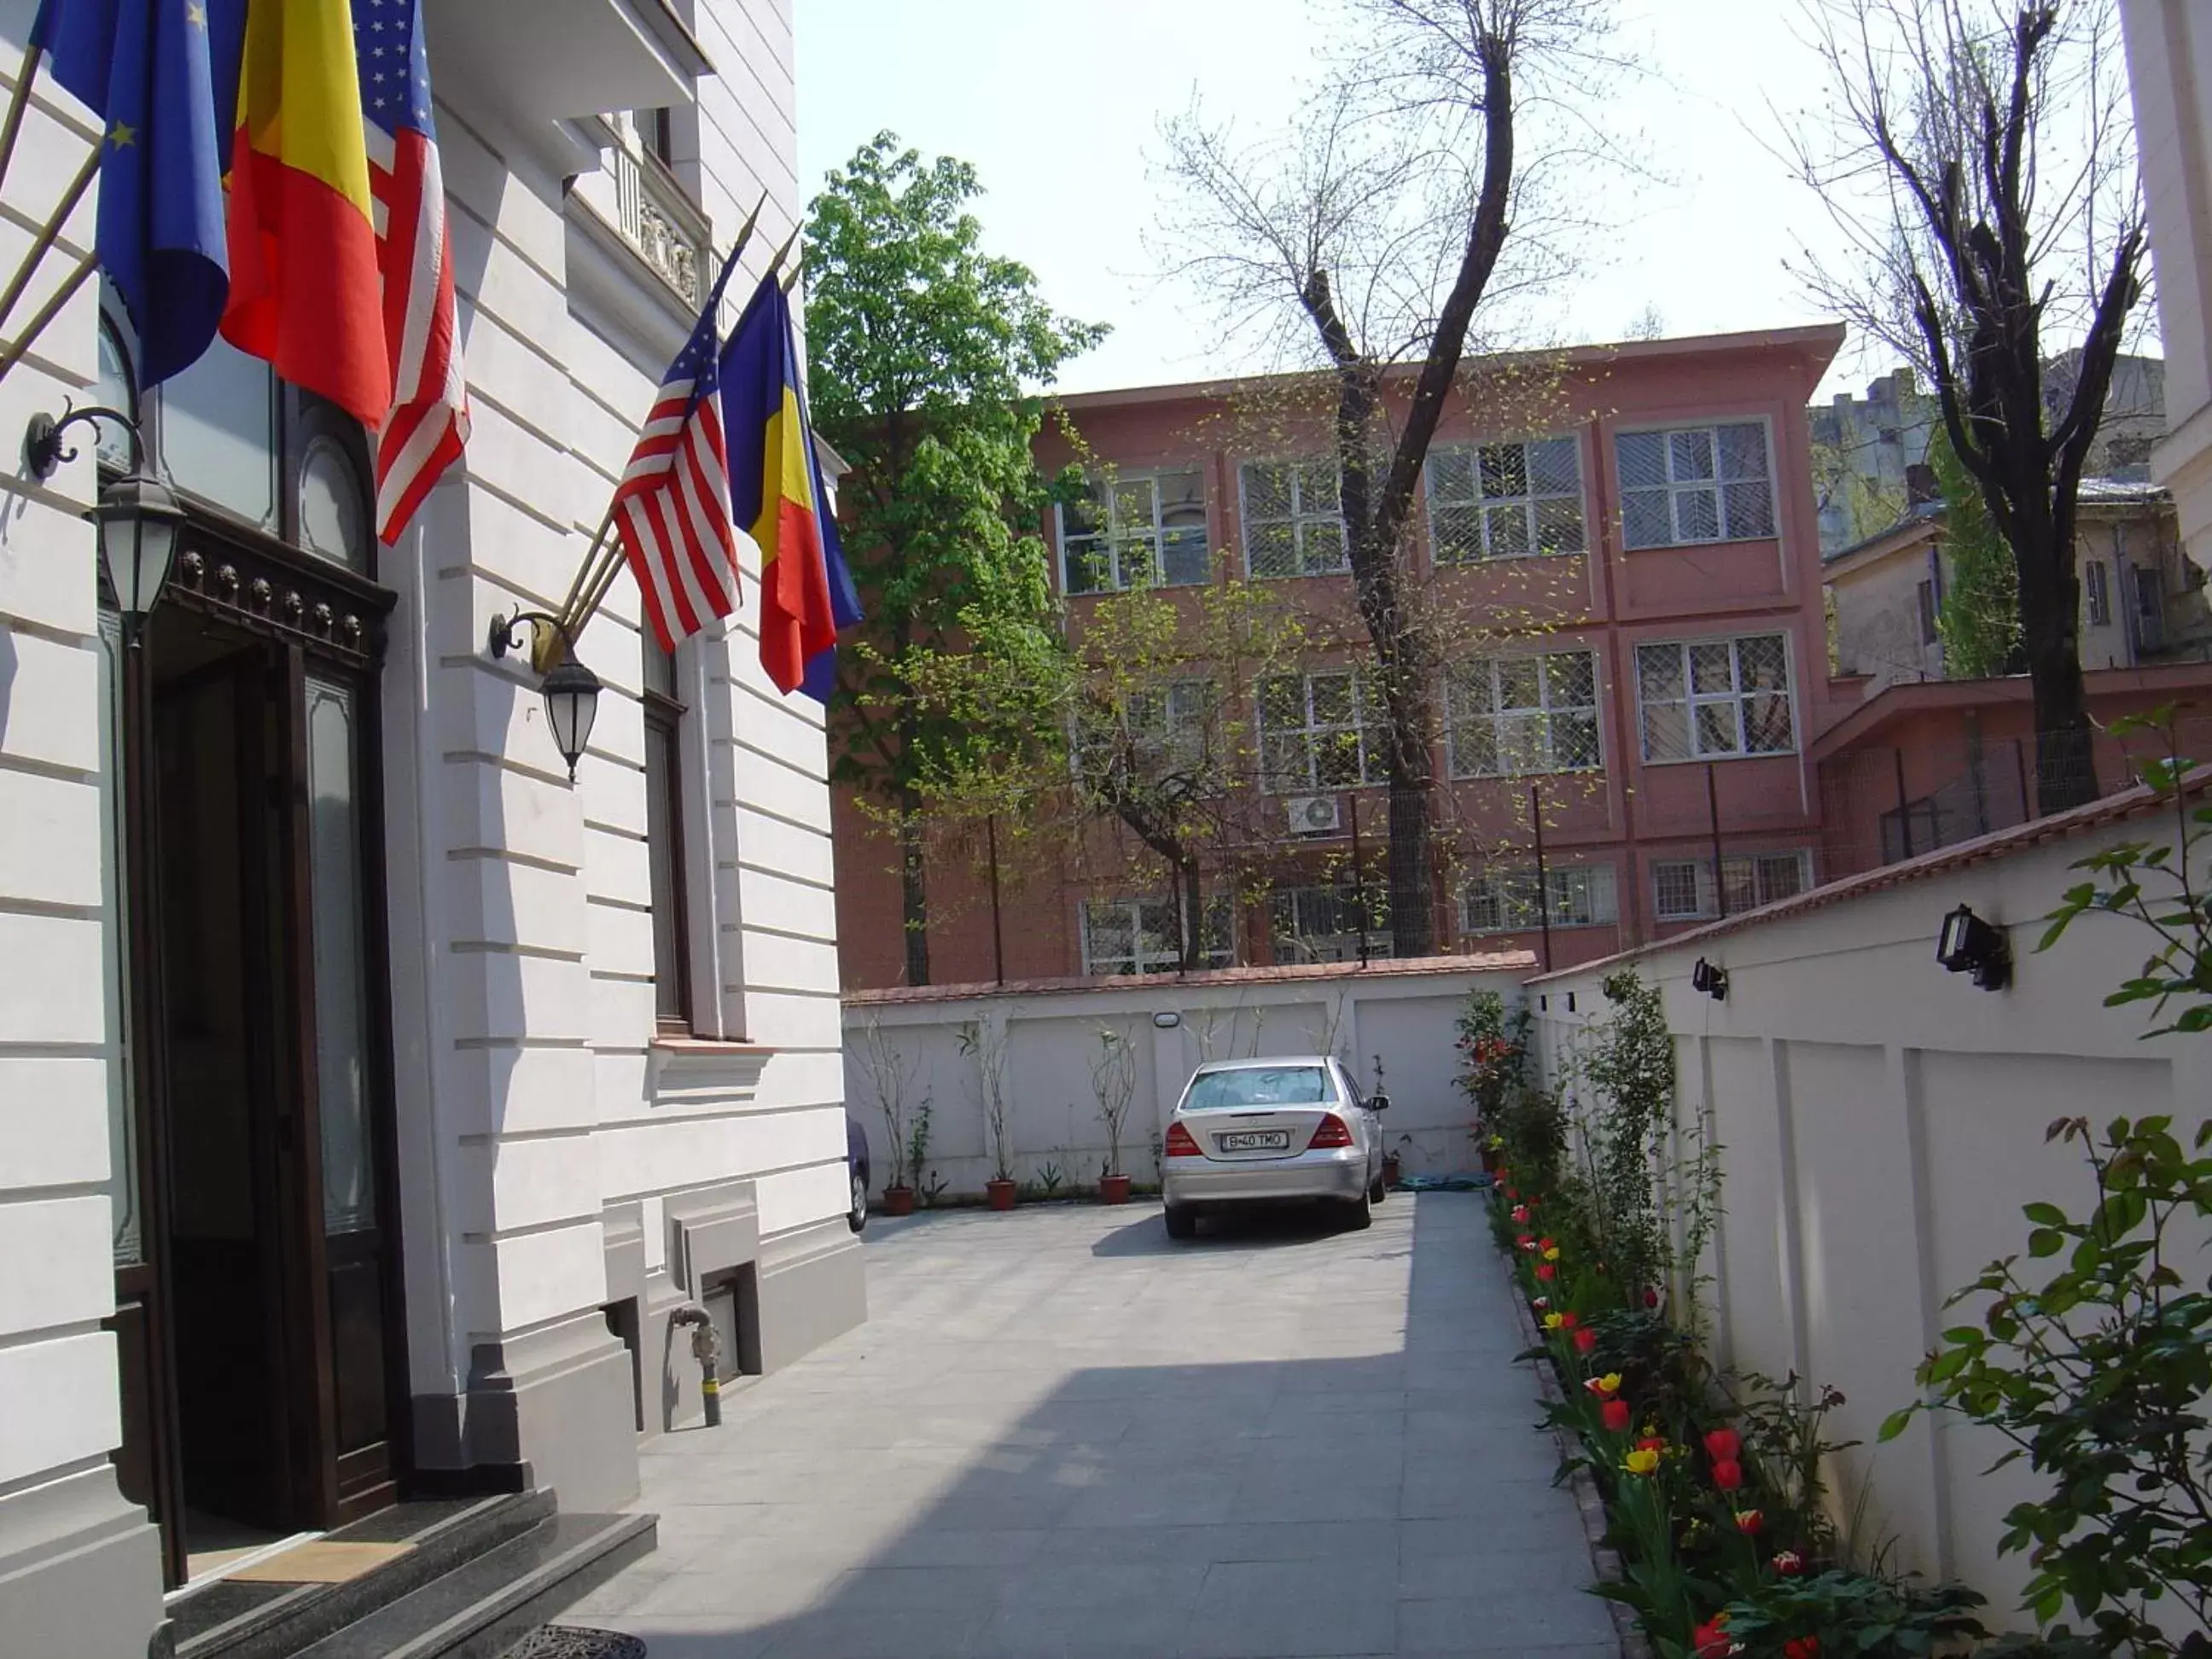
x=163 y=78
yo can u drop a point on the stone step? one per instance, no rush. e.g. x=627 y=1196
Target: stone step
x=487 y=1605
x=231 y=1618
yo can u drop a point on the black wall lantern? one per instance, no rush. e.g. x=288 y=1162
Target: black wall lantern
x=138 y=516
x=1709 y=981
x=570 y=689
x=1968 y=945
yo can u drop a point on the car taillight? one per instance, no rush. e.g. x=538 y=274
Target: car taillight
x=1331 y=1131
x=1181 y=1143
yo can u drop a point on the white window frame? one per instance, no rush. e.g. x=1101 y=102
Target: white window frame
x=1343 y=944
x=2096 y=593
x=1115 y=538
x=1493 y=510
x=1691 y=700
x=1733 y=867
x=1167 y=958
x=1578 y=896
x=1300 y=519
x=1539 y=717
x=1185 y=708
x=1367 y=728
x=1678 y=489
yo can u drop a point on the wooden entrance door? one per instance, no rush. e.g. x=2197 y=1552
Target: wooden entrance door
x=258 y=1312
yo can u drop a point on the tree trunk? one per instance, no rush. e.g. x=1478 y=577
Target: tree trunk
x=2050 y=612
x=914 y=894
x=1409 y=866
x=1192 y=917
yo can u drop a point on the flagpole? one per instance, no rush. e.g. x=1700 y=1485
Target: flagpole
x=588 y=567
x=14 y=354
x=18 y=101
x=595 y=576
x=49 y=232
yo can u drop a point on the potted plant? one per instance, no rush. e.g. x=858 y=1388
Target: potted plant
x=1114 y=1084
x=892 y=1076
x=985 y=1041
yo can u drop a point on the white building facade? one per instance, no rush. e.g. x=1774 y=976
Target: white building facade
x=370 y=1092
x=2169 y=46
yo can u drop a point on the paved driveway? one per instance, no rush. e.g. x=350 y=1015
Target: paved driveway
x=1058 y=1434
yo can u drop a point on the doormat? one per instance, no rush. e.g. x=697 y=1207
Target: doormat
x=568 y=1641
x=326 y=1561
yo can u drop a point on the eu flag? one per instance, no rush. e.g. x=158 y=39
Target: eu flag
x=163 y=78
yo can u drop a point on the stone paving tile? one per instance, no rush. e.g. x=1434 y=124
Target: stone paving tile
x=1062 y=1436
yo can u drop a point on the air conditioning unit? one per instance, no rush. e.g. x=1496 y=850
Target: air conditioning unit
x=1312 y=815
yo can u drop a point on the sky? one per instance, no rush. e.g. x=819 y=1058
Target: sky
x=1057 y=105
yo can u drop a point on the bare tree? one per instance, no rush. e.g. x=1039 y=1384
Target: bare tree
x=1980 y=161
x=1363 y=247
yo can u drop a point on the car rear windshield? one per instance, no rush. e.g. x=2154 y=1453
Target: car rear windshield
x=1259 y=1085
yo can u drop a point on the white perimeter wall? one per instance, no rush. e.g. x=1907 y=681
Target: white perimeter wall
x=1882 y=1123
x=1052 y=1039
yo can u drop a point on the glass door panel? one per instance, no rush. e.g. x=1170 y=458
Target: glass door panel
x=334 y=862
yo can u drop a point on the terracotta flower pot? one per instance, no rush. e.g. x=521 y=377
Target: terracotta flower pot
x=898 y=1200
x=1113 y=1189
x=1002 y=1194
x=1390 y=1169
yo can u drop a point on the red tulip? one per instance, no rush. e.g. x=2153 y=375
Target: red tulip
x=1526 y=1241
x=1542 y=1302
x=1547 y=1243
x=1727 y=1475
x=1801 y=1647
x=1650 y=1298
x=1585 y=1339
x=1651 y=1443
x=1723 y=1446
x=1520 y=1212
x=1616 y=1415
x=1788 y=1563
x=1748 y=1521
x=1711 y=1639
x=1547 y=1271
x=1568 y=1321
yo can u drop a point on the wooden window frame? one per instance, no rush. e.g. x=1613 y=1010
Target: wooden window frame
x=664 y=722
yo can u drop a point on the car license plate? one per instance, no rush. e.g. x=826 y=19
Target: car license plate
x=1256 y=1141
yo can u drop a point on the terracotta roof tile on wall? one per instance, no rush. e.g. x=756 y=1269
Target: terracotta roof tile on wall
x=1494 y=962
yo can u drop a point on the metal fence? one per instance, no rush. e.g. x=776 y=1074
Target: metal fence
x=1880 y=805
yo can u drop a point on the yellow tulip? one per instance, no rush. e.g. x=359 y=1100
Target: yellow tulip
x=1642 y=1461
x=1552 y=1255
x=1552 y=1322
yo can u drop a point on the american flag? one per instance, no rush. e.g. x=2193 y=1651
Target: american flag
x=429 y=423
x=672 y=506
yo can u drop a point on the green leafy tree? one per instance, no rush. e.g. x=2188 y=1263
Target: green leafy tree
x=927 y=355
x=1979 y=622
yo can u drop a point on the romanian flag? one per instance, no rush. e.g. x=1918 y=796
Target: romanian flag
x=304 y=287
x=773 y=492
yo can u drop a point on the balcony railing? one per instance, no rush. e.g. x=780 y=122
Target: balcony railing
x=661 y=223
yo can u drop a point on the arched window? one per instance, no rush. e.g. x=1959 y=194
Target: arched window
x=230 y=436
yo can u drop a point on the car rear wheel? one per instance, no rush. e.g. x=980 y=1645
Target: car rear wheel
x=857 y=1217
x=1378 y=1189
x=1182 y=1221
x=1359 y=1213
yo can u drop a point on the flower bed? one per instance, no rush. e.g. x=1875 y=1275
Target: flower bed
x=1712 y=1485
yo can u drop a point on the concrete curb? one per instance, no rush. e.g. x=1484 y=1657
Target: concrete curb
x=1605 y=1561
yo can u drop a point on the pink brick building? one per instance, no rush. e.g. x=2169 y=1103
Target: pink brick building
x=1621 y=546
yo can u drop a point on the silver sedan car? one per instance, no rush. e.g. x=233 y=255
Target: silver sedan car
x=1249 y=1131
